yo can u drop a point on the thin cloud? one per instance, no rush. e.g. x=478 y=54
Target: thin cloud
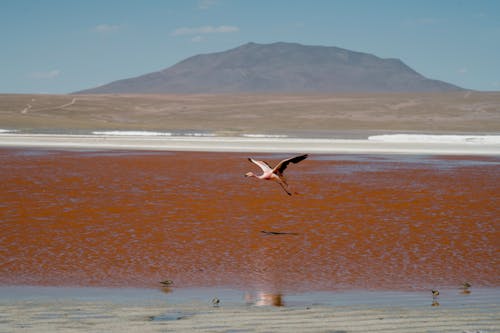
x=48 y=75
x=208 y=29
x=463 y=70
x=196 y=39
x=106 y=28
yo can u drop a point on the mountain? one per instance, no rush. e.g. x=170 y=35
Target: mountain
x=282 y=68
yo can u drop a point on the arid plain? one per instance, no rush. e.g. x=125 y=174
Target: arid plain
x=301 y=114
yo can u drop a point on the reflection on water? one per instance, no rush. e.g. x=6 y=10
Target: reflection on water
x=166 y=290
x=86 y=218
x=264 y=299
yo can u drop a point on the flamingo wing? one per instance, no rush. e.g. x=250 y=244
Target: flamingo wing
x=263 y=165
x=281 y=166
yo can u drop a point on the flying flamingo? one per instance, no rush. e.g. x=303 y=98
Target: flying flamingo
x=275 y=173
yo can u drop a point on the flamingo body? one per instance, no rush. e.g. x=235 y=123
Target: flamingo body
x=276 y=173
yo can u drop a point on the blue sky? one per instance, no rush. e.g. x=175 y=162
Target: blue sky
x=60 y=46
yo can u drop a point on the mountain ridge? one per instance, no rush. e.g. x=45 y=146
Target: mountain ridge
x=280 y=67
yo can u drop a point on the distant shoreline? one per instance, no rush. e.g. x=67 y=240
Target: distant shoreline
x=252 y=144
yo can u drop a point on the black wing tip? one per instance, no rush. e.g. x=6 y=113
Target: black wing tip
x=299 y=158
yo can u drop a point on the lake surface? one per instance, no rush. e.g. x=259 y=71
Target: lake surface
x=132 y=219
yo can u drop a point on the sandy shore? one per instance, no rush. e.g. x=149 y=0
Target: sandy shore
x=243 y=144
x=141 y=310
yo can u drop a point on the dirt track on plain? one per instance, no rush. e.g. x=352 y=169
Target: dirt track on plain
x=470 y=112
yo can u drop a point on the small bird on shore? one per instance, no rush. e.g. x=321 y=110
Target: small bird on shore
x=465 y=288
x=435 y=293
x=215 y=302
x=167 y=283
x=276 y=173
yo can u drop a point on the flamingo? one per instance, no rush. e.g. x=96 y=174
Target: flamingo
x=276 y=173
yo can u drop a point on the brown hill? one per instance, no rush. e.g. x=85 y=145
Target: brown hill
x=280 y=68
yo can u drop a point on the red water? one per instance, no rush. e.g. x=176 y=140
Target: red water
x=136 y=218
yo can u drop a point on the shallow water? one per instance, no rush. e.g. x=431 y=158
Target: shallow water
x=485 y=298
x=376 y=222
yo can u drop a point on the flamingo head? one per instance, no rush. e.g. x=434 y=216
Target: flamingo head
x=250 y=174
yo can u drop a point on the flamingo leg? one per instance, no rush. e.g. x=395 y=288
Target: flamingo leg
x=284 y=188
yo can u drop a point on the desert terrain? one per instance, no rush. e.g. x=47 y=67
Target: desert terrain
x=300 y=114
